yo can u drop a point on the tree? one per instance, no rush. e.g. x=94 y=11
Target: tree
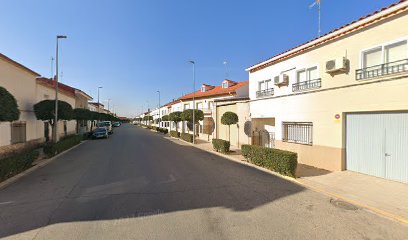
x=147 y=119
x=81 y=116
x=45 y=111
x=165 y=118
x=176 y=118
x=229 y=118
x=187 y=115
x=8 y=107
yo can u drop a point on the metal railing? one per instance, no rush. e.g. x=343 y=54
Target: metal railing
x=310 y=84
x=382 y=69
x=265 y=93
x=298 y=132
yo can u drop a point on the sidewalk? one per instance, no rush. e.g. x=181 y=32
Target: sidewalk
x=384 y=197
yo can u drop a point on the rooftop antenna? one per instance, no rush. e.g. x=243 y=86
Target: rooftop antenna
x=318 y=3
x=226 y=69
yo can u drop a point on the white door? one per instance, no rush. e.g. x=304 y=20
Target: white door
x=376 y=144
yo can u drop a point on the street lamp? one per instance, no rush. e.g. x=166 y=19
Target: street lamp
x=159 y=108
x=194 y=129
x=55 y=135
x=109 y=104
x=98 y=98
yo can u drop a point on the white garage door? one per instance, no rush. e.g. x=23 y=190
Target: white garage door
x=377 y=144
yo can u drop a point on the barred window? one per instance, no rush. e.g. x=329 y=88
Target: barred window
x=297 y=132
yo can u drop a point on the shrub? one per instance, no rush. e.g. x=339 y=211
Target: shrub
x=187 y=137
x=13 y=165
x=175 y=134
x=9 y=108
x=283 y=162
x=163 y=130
x=220 y=145
x=52 y=149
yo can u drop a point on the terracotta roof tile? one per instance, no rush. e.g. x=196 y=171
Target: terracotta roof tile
x=216 y=91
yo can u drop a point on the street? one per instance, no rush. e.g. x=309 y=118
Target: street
x=139 y=185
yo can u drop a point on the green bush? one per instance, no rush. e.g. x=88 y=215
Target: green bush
x=175 y=134
x=52 y=149
x=13 y=165
x=187 y=137
x=283 y=162
x=163 y=130
x=221 y=145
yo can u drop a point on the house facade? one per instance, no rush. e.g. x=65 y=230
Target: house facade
x=205 y=101
x=340 y=101
x=20 y=81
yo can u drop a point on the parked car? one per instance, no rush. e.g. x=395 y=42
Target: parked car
x=107 y=125
x=100 y=132
x=116 y=124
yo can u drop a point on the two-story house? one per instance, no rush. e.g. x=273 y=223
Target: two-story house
x=341 y=101
x=204 y=100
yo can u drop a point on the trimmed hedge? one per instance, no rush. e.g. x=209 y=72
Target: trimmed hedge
x=283 y=162
x=163 y=130
x=221 y=145
x=175 y=134
x=13 y=165
x=52 y=149
x=187 y=137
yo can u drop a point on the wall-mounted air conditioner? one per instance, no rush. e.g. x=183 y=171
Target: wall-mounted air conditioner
x=281 y=80
x=337 y=65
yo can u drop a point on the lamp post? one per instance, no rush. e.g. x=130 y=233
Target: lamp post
x=194 y=129
x=55 y=135
x=109 y=104
x=159 y=108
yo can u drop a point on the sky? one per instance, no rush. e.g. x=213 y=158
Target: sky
x=134 y=48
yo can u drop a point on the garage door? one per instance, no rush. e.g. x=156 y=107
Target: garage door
x=377 y=144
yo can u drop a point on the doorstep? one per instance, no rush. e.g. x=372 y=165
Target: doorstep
x=385 y=197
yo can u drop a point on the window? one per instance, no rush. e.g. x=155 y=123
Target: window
x=225 y=85
x=199 y=106
x=372 y=57
x=297 y=132
x=395 y=52
x=384 y=60
x=307 y=74
x=264 y=85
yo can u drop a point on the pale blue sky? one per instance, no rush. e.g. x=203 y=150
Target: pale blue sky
x=134 y=48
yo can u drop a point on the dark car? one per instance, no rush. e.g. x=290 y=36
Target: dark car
x=100 y=132
x=116 y=124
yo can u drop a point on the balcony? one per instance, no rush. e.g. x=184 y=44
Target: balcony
x=265 y=93
x=382 y=70
x=306 y=85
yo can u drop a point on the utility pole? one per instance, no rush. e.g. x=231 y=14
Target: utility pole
x=194 y=129
x=159 y=109
x=226 y=69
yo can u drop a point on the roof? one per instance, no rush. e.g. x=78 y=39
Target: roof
x=363 y=22
x=172 y=103
x=96 y=104
x=216 y=91
x=51 y=83
x=18 y=64
x=232 y=99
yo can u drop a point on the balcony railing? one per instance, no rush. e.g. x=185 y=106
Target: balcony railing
x=265 y=93
x=382 y=70
x=310 y=84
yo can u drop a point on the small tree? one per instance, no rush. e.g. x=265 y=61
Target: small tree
x=176 y=118
x=165 y=118
x=81 y=115
x=229 y=118
x=187 y=115
x=45 y=111
x=8 y=107
x=147 y=119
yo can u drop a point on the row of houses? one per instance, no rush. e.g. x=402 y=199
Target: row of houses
x=340 y=101
x=29 y=88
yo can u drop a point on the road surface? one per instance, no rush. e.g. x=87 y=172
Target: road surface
x=140 y=185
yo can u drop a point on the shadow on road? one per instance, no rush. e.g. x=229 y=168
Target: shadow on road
x=134 y=174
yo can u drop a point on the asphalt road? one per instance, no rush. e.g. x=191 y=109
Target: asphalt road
x=139 y=185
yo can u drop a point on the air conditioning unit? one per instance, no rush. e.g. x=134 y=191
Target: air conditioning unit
x=337 y=65
x=281 y=80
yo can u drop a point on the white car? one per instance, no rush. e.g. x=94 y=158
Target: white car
x=107 y=125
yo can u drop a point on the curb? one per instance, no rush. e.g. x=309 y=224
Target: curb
x=315 y=189
x=41 y=164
